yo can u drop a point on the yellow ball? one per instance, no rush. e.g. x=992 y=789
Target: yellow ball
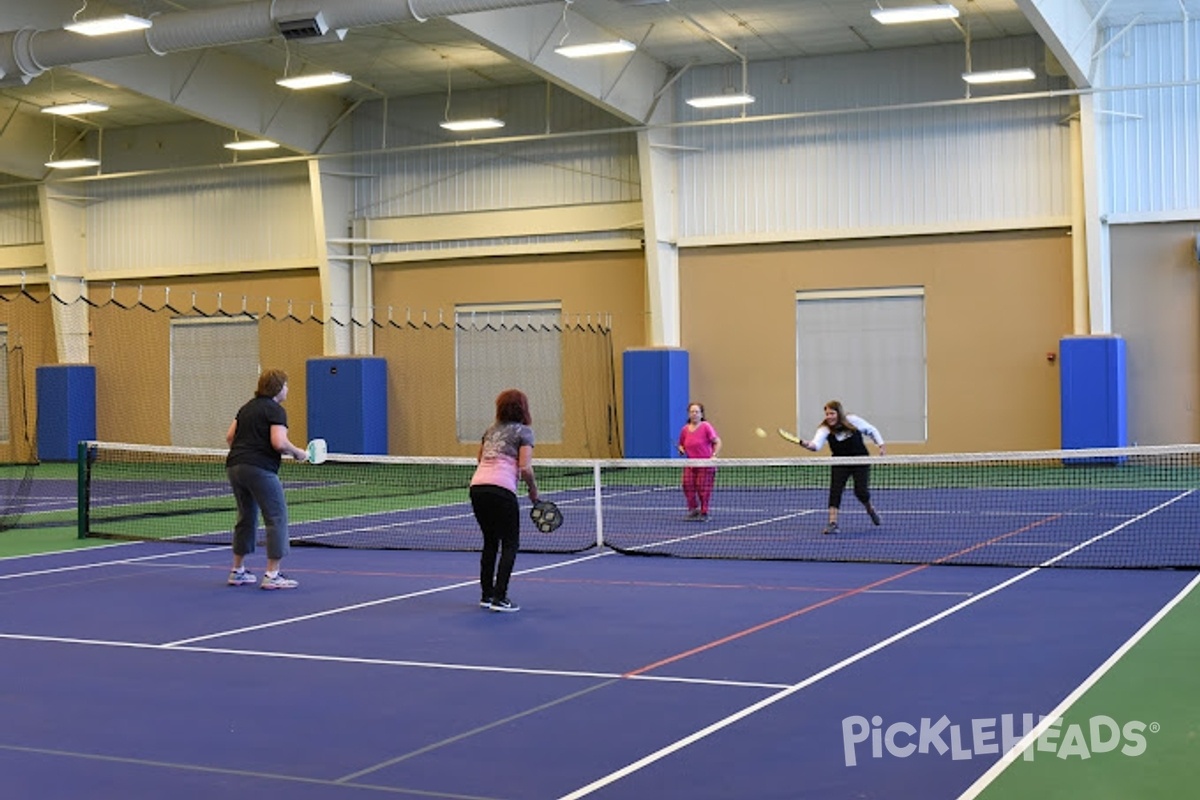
x=760 y=433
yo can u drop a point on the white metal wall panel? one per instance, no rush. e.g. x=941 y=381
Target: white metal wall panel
x=1151 y=136
x=20 y=216
x=875 y=143
x=615 y=239
x=245 y=216
x=429 y=171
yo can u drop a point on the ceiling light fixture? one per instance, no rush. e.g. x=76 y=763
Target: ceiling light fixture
x=604 y=48
x=252 y=144
x=74 y=109
x=461 y=125
x=1000 y=75
x=900 y=16
x=596 y=49
x=484 y=124
x=721 y=100
x=729 y=97
x=106 y=26
x=73 y=163
x=313 y=81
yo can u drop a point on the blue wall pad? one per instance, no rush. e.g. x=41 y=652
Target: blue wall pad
x=347 y=404
x=656 y=399
x=66 y=410
x=1092 y=388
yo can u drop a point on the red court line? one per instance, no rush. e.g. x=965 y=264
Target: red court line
x=830 y=600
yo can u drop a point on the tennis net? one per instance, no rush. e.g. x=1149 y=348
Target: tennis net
x=1112 y=508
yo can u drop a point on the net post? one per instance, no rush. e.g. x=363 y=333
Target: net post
x=81 y=489
x=599 y=508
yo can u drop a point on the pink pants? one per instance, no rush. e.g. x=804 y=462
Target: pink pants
x=697 y=487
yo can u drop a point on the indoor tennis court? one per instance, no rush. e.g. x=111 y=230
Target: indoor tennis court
x=621 y=677
x=715 y=266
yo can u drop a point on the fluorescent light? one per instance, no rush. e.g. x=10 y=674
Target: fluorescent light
x=122 y=23
x=1000 y=76
x=73 y=109
x=719 y=100
x=252 y=144
x=473 y=124
x=596 y=49
x=315 y=80
x=73 y=163
x=898 y=16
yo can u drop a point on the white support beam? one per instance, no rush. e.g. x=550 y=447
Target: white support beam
x=342 y=280
x=1099 y=255
x=660 y=199
x=64 y=227
x=227 y=91
x=23 y=257
x=503 y=223
x=1069 y=31
x=624 y=84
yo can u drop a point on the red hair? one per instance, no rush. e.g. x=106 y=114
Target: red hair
x=513 y=406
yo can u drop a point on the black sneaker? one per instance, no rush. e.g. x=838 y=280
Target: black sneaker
x=504 y=604
x=831 y=528
x=485 y=601
x=873 y=514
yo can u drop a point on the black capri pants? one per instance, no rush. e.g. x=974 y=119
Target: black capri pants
x=861 y=474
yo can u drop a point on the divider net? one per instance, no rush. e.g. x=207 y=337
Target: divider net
x=1111 y=508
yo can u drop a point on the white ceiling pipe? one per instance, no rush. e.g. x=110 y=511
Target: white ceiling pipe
x=29 y=53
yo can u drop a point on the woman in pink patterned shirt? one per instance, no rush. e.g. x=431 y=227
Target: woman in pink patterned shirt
x=505 y=456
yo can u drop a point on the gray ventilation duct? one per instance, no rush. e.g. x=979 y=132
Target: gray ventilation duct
x=27 y=53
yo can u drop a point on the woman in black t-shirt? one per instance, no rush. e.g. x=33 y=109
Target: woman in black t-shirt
x=257 y=438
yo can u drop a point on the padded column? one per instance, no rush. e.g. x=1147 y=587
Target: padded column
x=66 y=410
x=347 y=404
x=1093 y=393
x=656 y=398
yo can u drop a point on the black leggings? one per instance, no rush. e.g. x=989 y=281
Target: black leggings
x=862 y=484
x=499 y=519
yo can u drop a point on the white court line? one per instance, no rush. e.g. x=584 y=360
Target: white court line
x=379 y=602
x=1027 y=741
x=680 y=744
x=97 y=564
x=703 y=534
x=387 y=662
x=80 y=550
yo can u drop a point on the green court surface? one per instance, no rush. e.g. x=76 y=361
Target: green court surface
x=27 y=525
x=1134 y=734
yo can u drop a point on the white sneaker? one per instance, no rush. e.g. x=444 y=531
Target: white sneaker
x=280 y=581
x=241 y=578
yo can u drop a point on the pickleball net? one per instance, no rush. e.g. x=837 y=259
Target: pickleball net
x=1110 y=508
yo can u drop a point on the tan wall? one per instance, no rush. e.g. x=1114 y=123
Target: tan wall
x=1156 y=308
x=585 y=284
x=31 y=344
x=131 y=349
x=995 y=305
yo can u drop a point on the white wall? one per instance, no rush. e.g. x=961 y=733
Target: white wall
x=1151 y=137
